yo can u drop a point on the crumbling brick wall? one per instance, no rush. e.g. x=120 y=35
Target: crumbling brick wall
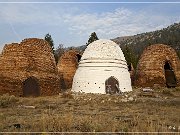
x=150 y=69
x=67 y=66
x=32 y=57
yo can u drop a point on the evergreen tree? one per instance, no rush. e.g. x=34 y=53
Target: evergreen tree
x=130 y=56
x=49 y=39
x=93 y=37
x=168 y=36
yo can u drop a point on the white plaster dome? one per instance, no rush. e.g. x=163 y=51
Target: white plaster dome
x=102 y=69
x=103 y=49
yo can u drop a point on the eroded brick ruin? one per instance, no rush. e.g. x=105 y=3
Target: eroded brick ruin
x=67 y=66
x=158 y=65
x=26 y=66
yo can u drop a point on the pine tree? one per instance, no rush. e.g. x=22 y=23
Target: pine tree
x=49 y=39
x=130 y=56
x=93 y=37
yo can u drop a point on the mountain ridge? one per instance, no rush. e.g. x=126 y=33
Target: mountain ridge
x=137 y=43
x=169 y=36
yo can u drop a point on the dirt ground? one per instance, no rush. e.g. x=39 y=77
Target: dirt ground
x=136 y=111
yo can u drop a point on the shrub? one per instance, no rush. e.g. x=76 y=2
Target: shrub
x=167 y=92
x=67 y=95
x=6 y=100
x=177 y=88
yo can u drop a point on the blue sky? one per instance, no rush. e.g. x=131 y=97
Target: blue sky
x=72 y=23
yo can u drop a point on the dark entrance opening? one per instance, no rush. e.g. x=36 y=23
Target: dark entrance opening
x=31 y=87
x=78 y=57
x=112 y=85
x=169 y=75
x=129 y=67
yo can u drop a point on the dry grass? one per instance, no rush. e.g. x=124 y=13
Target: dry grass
x=6 y=100
x=93 y=113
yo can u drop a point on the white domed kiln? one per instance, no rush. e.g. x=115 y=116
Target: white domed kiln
x=102 y=69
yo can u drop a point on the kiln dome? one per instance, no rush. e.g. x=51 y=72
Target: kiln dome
x=158 y=65
x=67 y=66
x=28 y=69
x=103 y=49
x=102 y=69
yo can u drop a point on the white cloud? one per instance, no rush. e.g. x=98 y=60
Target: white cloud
x=75 y=24
x=119 y=22
x=105 y=24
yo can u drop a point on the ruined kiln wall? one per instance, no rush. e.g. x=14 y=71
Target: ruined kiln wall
x=150 y=69
x=13 y=86
x=67 y=67
x=32 y=57
x=9 y=85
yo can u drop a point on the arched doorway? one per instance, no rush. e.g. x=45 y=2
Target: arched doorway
x=78 y=57
x=129 y=67
x=112 y=85
x=31 y=87
x=169 y=75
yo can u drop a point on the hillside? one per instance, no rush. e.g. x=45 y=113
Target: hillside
x=169 y=36
x=133 y=46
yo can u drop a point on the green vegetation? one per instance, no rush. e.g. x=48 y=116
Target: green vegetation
x=56 y=53
x=133 y=46
x=6 y=100
x=93 y=37
x=49 y=39
x=130 y=56
x=137 y=43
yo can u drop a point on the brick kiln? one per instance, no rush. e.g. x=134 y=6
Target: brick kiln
x=67 y=66
x=28 y=69
x=159 y=65
x=102 y=69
